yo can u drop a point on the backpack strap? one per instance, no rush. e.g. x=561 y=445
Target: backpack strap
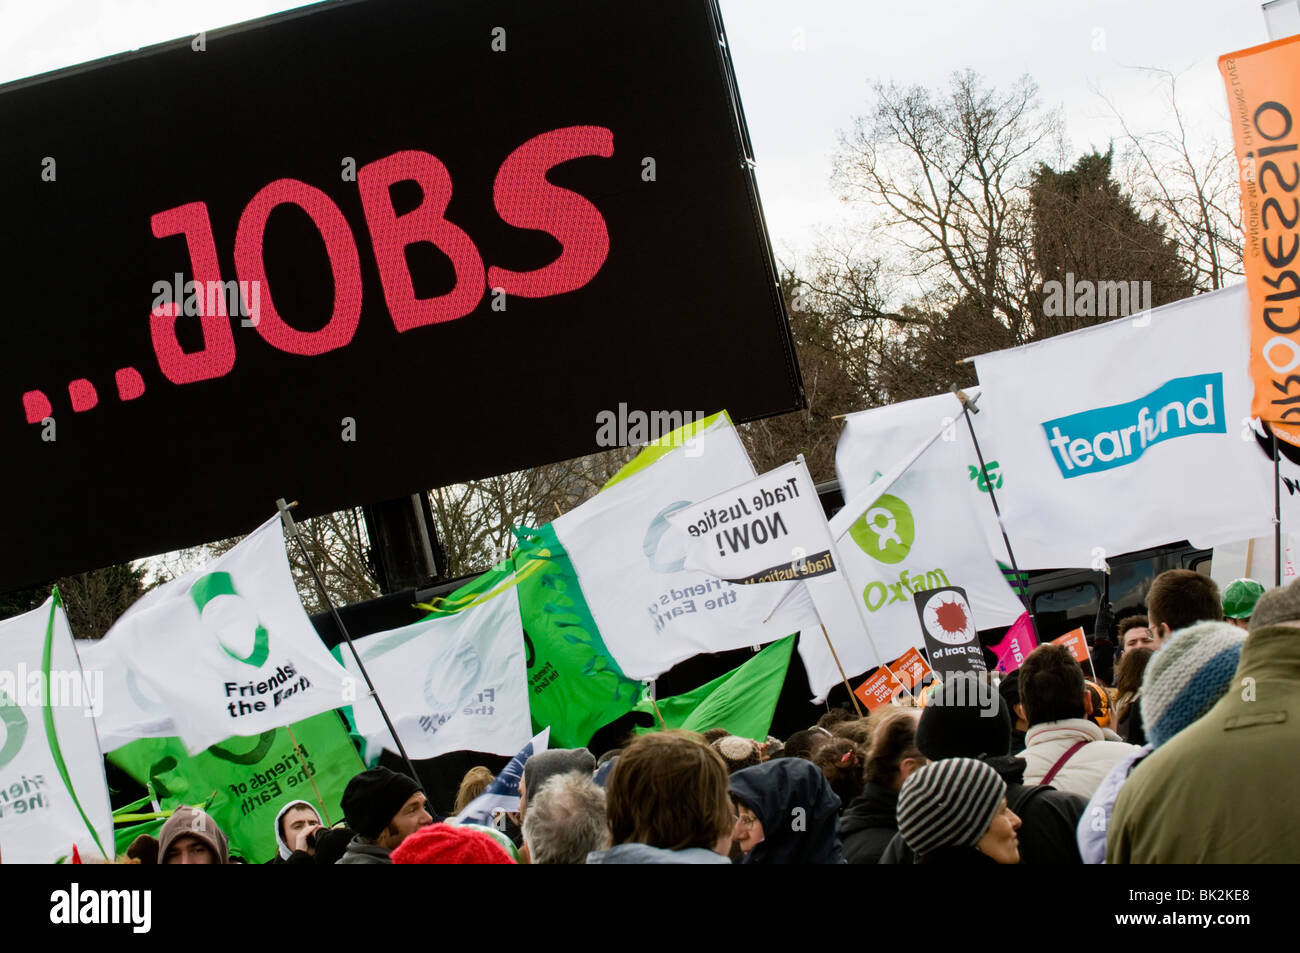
x=1069 y=753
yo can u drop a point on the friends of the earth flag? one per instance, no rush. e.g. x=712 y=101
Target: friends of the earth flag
x=652 y=611
x=243 y=782
x=228 y=650
x=53 y=796
x=1263 y=85
x=502 y=792
x=129 y=710
x=449 y=683
x=575 y=686
x=894 y=543
x=1127 y=435
x=742 y=701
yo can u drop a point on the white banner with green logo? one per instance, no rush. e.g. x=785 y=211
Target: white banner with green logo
x=653 y=612
x=894 y=542
x=228 y=650
x=52 y=790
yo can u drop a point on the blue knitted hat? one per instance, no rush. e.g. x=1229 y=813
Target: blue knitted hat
x=1184 y=679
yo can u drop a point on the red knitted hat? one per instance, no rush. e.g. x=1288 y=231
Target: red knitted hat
x=449 y=844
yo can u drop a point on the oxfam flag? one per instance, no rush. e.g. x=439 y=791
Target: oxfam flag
x=1150 y=443
x=228 y=650
x=52 y=790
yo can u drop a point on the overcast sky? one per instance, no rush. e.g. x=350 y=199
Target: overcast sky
x=805 y=66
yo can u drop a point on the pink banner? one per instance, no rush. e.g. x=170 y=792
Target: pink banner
x=1015 y=645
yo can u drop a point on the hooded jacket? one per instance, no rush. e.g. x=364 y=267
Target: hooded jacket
x=1220 y=791
x=868 y=824
x=1048 y=819
x=645 y=854
x=797 y=808
x=190 y=821
x=284 y=851
x=1083 y=773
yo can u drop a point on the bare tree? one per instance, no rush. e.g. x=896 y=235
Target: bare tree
x=1192 y=184
x=947 y=179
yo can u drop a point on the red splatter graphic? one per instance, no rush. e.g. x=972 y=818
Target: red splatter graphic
x=951 y=616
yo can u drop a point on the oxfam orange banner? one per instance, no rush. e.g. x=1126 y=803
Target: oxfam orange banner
x=1263 y=85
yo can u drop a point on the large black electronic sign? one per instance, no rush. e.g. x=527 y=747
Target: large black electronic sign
x=361 y=249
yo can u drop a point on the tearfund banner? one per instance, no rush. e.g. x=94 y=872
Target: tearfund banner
x=245 y=781
x=574 y=684
x=52 y=789
x=1263 y=85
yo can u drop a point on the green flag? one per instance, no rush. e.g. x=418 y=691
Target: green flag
x=251 y=778
x=574 y=684
x=742 y=701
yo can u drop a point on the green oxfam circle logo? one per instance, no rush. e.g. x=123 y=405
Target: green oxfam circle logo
x=886 y=530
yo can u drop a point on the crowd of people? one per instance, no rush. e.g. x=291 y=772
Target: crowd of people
x=1186 y=759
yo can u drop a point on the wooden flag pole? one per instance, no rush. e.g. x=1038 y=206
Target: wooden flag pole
x=302 y=759
x=655 y=705
x=843 y=677
x=291 y=529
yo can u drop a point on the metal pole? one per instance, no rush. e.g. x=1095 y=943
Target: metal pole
x=1277 y=511
x=291 y=528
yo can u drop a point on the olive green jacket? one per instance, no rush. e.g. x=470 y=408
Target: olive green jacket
x=1223 y=790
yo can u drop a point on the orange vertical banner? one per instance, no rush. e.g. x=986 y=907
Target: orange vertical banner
x=1263 y=85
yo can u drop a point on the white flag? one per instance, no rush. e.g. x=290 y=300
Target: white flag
x=893 y=543
x=1130 y=434
x=52 y=789
x=228 y=650
x=130 y=709
x=873 y=441
x=449 y=683
x=653 y=612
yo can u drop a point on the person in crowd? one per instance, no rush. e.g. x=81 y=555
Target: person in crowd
x=871 y=819
x=955 y=812
x=294 y=825
x=192 y=837
x=566 y=820
x=786 y=814
x=1183 y=681
x=384 y=808
x=833 y=717
x=1179 y=598
x=841 y=762
x=547 y=764
x=144 y=849
x=1128 y=688
x=738 y=752
x=1009 y=690
x=332 y=844
x=1062 y=747
x=473 y=784
x=857 y=730
x=1217 y=792
x=713 y=734
x=966 y=718
x=450 y=844
x=1239 y=600
x=804 y=744
x=1101 y=704
x=1134 y=634
x=667 y=803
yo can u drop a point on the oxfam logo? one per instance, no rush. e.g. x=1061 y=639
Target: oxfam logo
x=15 y=729
x=885 y=531
x=224 y=612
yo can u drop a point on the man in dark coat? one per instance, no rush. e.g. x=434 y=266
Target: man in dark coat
x=967 y=718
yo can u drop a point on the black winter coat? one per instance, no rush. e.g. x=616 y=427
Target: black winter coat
x=868 y=824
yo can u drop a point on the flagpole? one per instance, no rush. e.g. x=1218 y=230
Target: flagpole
x=844 y=678
x=302 y=759
x=291 y=528
x=1277 y=510
x=966 y=405
x=650 y=685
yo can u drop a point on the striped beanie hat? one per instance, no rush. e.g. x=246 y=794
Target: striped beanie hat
x=948 y=803
x=1191 y=672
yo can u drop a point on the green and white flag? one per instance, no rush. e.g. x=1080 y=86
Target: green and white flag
x=243 y=782
x=52 y=789
x=652 y=611
x=229 y=650
x=449 y=683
